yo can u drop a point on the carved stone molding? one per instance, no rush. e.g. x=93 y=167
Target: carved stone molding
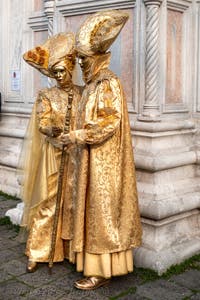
x=38 y=22
x=73 y=7
x=49 y=7
x=179 y=5
x=153 y=2
x=43 y=20
x=163 y=127
x=179 y=56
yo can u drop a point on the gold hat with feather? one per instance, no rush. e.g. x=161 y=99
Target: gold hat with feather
x=99 y=31
x=57 y=48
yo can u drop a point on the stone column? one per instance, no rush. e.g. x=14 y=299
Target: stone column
x=151 y=107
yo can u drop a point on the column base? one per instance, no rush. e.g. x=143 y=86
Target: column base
x=161 y=261
x=149 y=118
x=168 y=242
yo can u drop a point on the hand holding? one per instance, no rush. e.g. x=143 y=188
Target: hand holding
x=65 y=139
x=56 y=131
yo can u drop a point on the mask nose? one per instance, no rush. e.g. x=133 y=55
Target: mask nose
x=58 y=75
x=80 y=61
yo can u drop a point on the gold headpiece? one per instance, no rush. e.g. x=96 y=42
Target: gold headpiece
x=99 y=31
x=57 y=48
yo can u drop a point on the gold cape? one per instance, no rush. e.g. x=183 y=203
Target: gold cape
x=106 y=207
x=41 y=159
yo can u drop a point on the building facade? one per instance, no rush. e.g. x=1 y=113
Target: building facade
x=157 y=57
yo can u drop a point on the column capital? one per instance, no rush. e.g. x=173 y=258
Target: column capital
x=153 y=2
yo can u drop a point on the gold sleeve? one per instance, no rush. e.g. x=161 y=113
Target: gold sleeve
x=103 y=113
x=43 y=111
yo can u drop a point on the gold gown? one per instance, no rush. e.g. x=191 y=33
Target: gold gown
x=41 y=163
x=107 y=221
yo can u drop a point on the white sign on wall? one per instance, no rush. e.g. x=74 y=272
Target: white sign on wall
x=15 y=80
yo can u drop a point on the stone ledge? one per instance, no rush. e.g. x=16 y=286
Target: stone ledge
x=73 y=7
x=9 y=151
x=162 y=126
x=160 y=261
x=171 y=231
x=24 y=111
x=8 y=181
x=170 y=219
x=163 y=208
x=9 y=132
x=163 y=162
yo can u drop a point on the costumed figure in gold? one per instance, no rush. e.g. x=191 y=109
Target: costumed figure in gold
x=53 y=113
x=107 y=221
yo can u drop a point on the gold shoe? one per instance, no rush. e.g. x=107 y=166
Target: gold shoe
x=90 y=283
x=31 y=266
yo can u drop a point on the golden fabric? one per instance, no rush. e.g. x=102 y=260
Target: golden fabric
x=99 y=220
x=105 y=265
x=102 y=265
x=39 y=241
x=41 y=174
x=108 y=265
x=58 y=47
x=41 y=154
x=106 y=207
x=99 y=31
x=106 y=217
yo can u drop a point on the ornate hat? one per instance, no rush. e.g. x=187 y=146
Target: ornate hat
x=99 y=31
x=57 y=48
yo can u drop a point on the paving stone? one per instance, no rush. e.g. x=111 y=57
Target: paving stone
x=7 y=243
x=13 y=290
x=125 y=295
x=4 y=275
x=48 y=292
x=15 y=267
x=7 y=255
x=42 y=276
x=7 y=232
x=23 y=259
x=189 y=279
x=162 y=290
x=195 y=297
x=66 y=283
x=120 y=284
x=76 y=294
x=133 y=297
x=20 y=248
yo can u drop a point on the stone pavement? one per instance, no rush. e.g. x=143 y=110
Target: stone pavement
x=16 y=284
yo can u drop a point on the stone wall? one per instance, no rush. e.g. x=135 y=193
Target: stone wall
x=157 y=57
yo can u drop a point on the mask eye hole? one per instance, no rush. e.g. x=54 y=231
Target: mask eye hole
x=80 y=57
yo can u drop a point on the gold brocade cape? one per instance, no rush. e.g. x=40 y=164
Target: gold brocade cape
x=40 y=157
x=107 y=218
